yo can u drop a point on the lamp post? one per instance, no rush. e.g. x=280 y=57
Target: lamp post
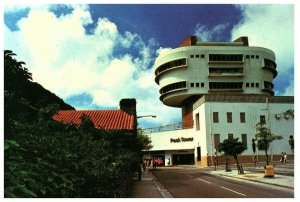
x=143 y=116
x=152 y=116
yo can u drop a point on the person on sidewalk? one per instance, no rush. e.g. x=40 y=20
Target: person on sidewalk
x=282 y=157
x=285 y=158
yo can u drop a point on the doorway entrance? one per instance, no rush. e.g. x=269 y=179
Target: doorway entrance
x=183 y=159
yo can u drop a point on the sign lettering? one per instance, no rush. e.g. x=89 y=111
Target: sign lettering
x=182 y=139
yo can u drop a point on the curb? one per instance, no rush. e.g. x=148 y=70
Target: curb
x=160 y=188
x=254 y=181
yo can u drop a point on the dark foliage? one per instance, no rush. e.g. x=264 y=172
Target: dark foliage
x=45 y=158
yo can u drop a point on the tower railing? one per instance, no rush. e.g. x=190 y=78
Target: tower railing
x=169 y=127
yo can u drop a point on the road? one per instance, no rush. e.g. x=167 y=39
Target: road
x=198 y=183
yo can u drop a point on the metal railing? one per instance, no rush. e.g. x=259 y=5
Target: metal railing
x=169 y=127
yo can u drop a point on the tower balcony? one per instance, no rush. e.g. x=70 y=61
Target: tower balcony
x=271 y=66
x=169 y=66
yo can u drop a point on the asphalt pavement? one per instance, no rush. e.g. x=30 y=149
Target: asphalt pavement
x=150 y=187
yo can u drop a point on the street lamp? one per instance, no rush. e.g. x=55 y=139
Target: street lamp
x=152 y=116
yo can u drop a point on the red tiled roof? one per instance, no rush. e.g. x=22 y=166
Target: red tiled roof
x=105 y=119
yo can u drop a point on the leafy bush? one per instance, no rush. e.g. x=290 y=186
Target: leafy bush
x=45 y=158
x=49 y=159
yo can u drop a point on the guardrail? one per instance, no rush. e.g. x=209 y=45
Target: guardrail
x=169 y=127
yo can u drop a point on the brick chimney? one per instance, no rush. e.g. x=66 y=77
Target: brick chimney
x=243 y=39
x=128 y=105
x=189 y=41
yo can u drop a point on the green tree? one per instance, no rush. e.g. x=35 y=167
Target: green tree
x=233 y=148
x=289 y=112
x=265 y=138
x=15 y=75
x=144 y=140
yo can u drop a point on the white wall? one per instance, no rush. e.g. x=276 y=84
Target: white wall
x=200 y=135
x=252 y=111
x=161 y=140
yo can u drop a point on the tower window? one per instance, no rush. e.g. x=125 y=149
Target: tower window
x=252 y=56
x=202 y=56
x=262 y=119
x=192 y=56
x=257 y=56
x=197 y=56
x=252 y=84
x=225 y=85
x=247 y=85
x=230 y=136
x=202 y=85
x=197 y=85
x=197 y=122
x=257 y=85
x=217 y=140
x=192 y=85
x=247 y=56
x=244 y=140
x=229 y=117
x=242 y=117
x=215 y=117
x=227 y=57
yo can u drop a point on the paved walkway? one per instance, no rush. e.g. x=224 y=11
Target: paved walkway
x=148 y=187
x=278 y=180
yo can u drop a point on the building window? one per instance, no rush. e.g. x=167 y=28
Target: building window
x=230 y=70
x=225 y=85
x=229 y=117
x=197 y=56
x=244 y=140
x=192 y=56
x=230 y=136
x=202 y=56
x=197 y=85
x=257 y=85
x=215 y=117
x=247 y=56
x=262 y=119
x=197 y=122
x=217 y=141
x=227 y=57
x=242 y=117
x=257 y=56
x=202 y=85
x=247 y=85
x=252 y=85
x=252 y=56
x=192 y=85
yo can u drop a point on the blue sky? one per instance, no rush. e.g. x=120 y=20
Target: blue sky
x=94 y=55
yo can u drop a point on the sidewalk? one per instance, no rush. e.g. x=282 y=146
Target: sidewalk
x=148 y=187
x=278 y=180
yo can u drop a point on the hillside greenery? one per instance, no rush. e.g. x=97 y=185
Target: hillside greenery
x=44 y=158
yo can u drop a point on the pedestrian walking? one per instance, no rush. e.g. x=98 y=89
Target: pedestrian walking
x=285 y=158
x=282 y=157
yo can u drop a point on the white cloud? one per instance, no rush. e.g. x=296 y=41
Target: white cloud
x=289 y=91
x=67 y=61
x=272 y=27
x=204 y=33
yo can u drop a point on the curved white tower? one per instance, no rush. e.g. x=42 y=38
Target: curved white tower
x=196 y=68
